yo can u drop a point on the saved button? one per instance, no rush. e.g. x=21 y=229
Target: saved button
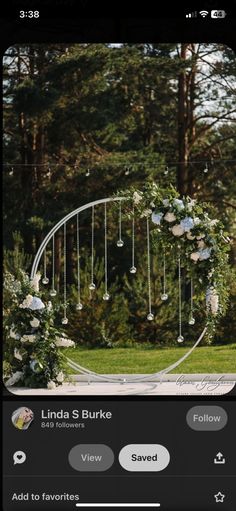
x=144 y=457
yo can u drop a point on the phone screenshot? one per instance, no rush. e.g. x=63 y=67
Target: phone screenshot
x=119 y=257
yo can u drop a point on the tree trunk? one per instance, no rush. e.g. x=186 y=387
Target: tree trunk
x=182 y=126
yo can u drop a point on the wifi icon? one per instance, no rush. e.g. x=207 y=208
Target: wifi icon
x=203 y=13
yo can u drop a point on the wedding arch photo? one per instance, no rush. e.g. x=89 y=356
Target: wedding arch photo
x=119 y=174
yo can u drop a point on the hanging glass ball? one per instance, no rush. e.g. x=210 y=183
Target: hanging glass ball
x=150 y=316
x=53 y=292
x=64 y=321
x=180 y=339
x=106 y=297
x=92 y=286
x=164 y=297
x=120 y=243
x=45 y=280
x=79 y=306
x=133 y=269
x=191 y=320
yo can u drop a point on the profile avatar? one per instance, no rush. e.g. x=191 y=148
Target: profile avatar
x=22 y=417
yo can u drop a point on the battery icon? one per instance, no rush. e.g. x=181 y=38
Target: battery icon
x=218 y=14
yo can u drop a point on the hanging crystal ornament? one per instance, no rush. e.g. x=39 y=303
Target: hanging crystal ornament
x=180 y=338
x=164 y=295
x=205 y=169
x=45 y=279
x=166 y=171
x=87 y=174
x=133 y=268
x=53 y=290
x=106 y=295
x=126 y=171
x=65 y=319
x=120 y=242
x=191 y=320
x=92 y=285
x=79 y=305
x=150 y=315
x=11 y=171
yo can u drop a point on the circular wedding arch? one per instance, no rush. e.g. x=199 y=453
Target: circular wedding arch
x=85 y=371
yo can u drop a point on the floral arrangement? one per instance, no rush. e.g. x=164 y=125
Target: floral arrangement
x=186 y=230
x=32 y=355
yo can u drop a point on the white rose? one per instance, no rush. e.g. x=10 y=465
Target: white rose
x=166 y=202
x=28 y=338
x=61 y=342
x=194 y=256
x=137 y=197
x=14 y=378
x=35 y=282
x=60 y=377
x=177 y=230
x=200 y=236
x=212 y=300
x=51 y=385
x=14 y=334
x=170 y=217
x=35 y=322
x=196 y=220
x=190 y=236
x=201 y=244
x=17 y=354
x=26 y=302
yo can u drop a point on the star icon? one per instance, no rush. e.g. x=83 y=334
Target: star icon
x=219 y=497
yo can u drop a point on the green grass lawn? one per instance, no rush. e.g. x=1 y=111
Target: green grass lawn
x=206 y=359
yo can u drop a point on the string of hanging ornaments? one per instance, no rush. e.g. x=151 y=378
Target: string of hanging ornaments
x=180 y=233
x=128 y=169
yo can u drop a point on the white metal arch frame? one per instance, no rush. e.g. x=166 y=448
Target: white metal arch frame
x=71 y=363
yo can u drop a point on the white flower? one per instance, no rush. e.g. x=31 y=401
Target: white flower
x=14 y=378
x=35 y=322
x=190 y=204
x=146 y=212
x=213 y=222
x=190 y=236
x=137 y=197
x=178 y=203
x=14 y=334
x=204 y=254
x=17 y=354
x=35 y=282
x=200 y=236
x=170 y=217
x=62 y=342
x=49 y=306
x=36 y=304
x=51 y=385
x=194 y=256
x=201 y=244
x=187 y=223
x=212 y=300
x=196 y=220
x=156 y=218
x=26 y=302
x=166 y=202
x=177 y=230
x=28 y=338
x=60 y=377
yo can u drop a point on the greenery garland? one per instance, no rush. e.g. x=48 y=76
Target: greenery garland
x=186 y=229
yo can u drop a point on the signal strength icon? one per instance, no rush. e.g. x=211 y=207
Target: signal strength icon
x=204 y=13
x=191 y=14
